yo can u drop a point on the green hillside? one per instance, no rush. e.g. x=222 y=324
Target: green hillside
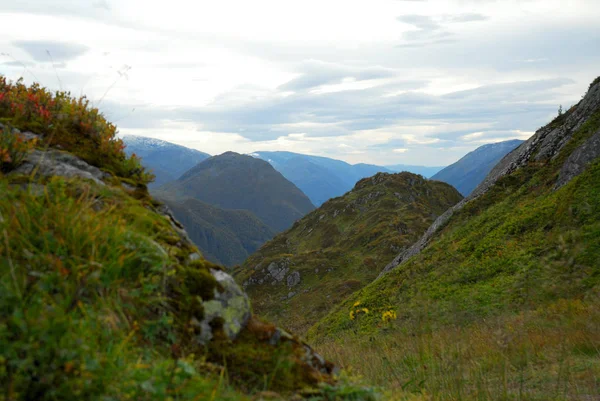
x=296 y=278
x=102 y=295
x=502 y=301
x=224 y=236
x=234 y=181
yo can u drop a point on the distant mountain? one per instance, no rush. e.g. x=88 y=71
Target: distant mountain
x=320 y=178
x=425 y=171
x=224 y=236
x=234 y=181
x=471 y=170
x=166 y=160
x=342 y=246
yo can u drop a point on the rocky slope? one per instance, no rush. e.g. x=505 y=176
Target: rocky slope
x=296 y=278
x=234 y=181
x=467 y=173
x=165 y=160
x=103 y=295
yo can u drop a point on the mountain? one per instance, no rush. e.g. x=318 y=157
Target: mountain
x=296 y=278
x=320 y=178
x=425 y=171
x=499 y=299
x=166 y=160
x=104 y=297
x=224 y=236
x=471 y=169
x=234 y=181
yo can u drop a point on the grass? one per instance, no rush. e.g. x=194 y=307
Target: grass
x=547 y=354
x=342 y=246
x=98 y=296
x=501 y=305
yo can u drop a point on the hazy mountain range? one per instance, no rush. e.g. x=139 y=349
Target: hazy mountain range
x=470 y=170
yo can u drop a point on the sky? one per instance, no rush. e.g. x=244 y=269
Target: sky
x=385 y=82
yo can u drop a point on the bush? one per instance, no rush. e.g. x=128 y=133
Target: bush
x=70 y=124
x=13 y=149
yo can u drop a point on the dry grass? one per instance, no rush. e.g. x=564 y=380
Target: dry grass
x=549 y=354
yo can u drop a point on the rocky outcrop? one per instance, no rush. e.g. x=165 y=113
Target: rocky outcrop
x=231 y=305
x=544 y=145
x=579 y=159
x=56 y=163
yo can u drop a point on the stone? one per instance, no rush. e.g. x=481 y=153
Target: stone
x=293 y=279
x=278 y=270
x=579 y=159
x=56 y=163
x=231 y=305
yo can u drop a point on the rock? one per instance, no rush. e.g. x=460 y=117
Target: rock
x=28 y=136
x=290 y=294
x=579 y=159
x=231 y=305
x=278 y=270
x=194 y=256
x=56 y=163
x=164 y=211
x=293 y=279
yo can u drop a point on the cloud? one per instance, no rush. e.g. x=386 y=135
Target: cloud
x=58 y=51
x=315 y=73
x=102 y=4
x=400 y=150
x=363 y=78
x=468 y=17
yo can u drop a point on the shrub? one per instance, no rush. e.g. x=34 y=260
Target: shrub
x=68 y=123
x=13 y=149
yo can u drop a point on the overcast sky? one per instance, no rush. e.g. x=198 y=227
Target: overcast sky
x=379 y=81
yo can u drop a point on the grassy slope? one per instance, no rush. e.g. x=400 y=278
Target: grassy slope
x=224 y=236
x=98 y=295
x=342 y=246
x=501 y=305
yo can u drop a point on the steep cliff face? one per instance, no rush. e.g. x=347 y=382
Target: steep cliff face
x=103 y=294
x=301 y=274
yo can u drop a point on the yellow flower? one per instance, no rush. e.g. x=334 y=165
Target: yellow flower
x=356 y=304
x=389 y=315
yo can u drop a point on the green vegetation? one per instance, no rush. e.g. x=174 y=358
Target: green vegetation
x=501 y=305
x=100 y=299
x=69 y=124
x=341 y=247
x=234 y=181
x=224 y=236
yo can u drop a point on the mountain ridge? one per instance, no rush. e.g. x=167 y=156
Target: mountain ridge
x=341 y=246
x=235 y=181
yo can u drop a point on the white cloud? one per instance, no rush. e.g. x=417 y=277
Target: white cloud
x=426 y=81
